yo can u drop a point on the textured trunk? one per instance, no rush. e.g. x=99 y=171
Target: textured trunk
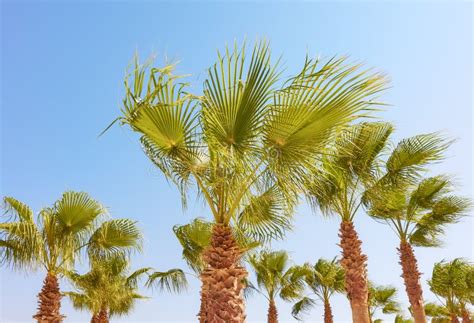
x=355 y=266
x=222 y=280
x=327 y=312
x=466 y=316
x=272 y=312
x=454 y=319
x=101 y=317
x=411 y=277
x=202 y=310
x=49 y=301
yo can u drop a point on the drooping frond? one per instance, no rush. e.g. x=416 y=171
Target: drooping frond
x=173 y=280
x=114 y=237
x=194 y=238
x=301 y=307
x=17 y=209
x=412 y=155
x=265 y=217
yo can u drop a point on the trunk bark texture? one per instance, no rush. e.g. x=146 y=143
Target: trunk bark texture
x=411 y=277
x=355 y=266
x=272 y=312
x=327 y=312
x=222 y=280
x=49 y=301
x=101 y=317
x=454 y=319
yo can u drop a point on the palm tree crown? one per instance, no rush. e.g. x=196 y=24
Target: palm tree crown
x=323 y=279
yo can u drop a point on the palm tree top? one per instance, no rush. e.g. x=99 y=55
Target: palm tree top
x=249 y=129
x=74 y=223
x=275 y=276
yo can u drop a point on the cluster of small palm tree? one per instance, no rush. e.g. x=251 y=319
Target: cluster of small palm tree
x=252 y=146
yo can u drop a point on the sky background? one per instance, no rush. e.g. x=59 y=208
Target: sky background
x=62 y=68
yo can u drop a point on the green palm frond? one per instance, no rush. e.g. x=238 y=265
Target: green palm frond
x=307 y=114
x=446 y=210
x=17 y=209
x=412 y=155
x=302 y=306
x=173 y=280
x=79 y=301
x=236 y=97
x=77 y=211
x=20 y=245
x=194 y=237
x=383 y=298
x=275 y=276
x=132 y=279
x=265 y=217
x=114 y=237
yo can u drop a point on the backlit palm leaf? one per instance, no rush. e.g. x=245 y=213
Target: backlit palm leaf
x=173 y=280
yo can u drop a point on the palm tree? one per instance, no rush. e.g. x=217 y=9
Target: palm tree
x=108 y=290
x=276 y=278
x=56 y=241
x=454 y=282
x=323 y=279
x=337 y=187
x=242 y=137
x=382 y=298
x=416 y=209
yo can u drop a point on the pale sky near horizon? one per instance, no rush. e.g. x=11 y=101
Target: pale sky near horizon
x=62 y=67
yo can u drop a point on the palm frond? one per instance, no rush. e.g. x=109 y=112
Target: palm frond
x=173 y=280
x=301 y=307
x=234 y=105
x=19 y=210
x=114 y=237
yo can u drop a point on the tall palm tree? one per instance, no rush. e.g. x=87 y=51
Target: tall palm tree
x=323 y=279
x=72 y=225
x=416 y=209
x=454 y=282
x=337 y=187
x=244 y=135
x=276 y=278
x=382 y=298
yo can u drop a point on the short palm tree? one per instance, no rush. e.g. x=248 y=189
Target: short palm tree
x=106 y=290
x=323 y=279
x=73 y=224
x=382 y=298
x=276 y=278
x=416 y=209
x=244 y=136
x=454 y=282
x=337 y=187
x=109 y=290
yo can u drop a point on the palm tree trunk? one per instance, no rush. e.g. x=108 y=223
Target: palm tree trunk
x=272 y=312
x=202 y=310
x=327 y=312
x=411 y=277
x=454 y=319
x=49 y=301
x=223 y=279
x=101 y=317
x=355 y=266
x=466 y=316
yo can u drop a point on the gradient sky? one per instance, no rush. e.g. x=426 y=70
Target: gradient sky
x=62 y=67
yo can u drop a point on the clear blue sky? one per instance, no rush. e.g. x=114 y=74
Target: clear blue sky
x=62 y=71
